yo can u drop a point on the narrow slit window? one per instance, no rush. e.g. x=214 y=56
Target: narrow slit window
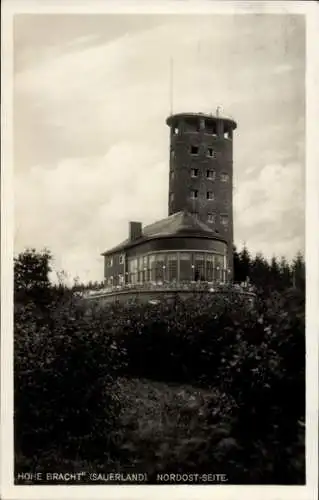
x=194 y=150
x=211 y=218
x=194 y=172
x=211 y=174
x=224 y=220
x=194 y=194
x=224 y=177
x=211 y=153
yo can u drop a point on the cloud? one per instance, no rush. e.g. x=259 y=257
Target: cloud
x=91 y=144
x=87 y=202
x=273 y=205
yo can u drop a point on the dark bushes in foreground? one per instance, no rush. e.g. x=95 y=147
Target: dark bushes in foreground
x=68 y=401
x=63 y=386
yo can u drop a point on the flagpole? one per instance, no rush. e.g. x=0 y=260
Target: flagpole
x=171 y=83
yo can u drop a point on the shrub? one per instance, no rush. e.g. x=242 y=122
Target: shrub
x=251 y=361
x=64 y=401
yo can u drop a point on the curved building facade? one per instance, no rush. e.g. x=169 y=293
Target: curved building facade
x=178 y=249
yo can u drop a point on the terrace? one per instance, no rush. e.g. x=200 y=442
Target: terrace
x=162 y=287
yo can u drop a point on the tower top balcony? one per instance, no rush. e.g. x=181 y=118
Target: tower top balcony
x=209 y=119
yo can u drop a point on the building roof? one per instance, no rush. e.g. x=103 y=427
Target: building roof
x=172 y=118
x=179 y=224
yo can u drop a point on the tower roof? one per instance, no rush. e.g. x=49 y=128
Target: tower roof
x=179 y=224
x=207 y=116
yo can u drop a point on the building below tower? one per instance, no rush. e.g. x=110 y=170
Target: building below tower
x=178 y=249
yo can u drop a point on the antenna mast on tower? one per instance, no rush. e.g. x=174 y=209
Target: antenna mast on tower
x=171 y=85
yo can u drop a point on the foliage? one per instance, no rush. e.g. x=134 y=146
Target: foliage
x=245 y=418
x=268 y=277
x=64 y=366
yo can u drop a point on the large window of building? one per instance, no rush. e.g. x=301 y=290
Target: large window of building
x=199 y=265
x=185 y=266
x=132 y=270
x=140 y=270
x=210 y=267
x=219 y=267
x=160 y=267
x=145 y=269
x=152 y=267
x=172 y=267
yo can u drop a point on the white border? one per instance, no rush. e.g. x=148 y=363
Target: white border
x=311 y=10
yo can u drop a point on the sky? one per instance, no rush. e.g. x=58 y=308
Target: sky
x=91 y=96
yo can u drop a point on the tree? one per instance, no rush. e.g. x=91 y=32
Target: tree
x=274 y=274
x=236 y=260
x=31 y=276
x=285 y=274
x=299 y=272
x=245 y=264
x=259 y=271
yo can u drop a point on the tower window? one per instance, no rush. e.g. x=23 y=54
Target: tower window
x=194 y=150
x=210 y=195
x=224 y=177
x=194 y=193
x=211 y=218
x=194 y=172
x=226 y=203
x=224 y=220
x=175 y=130
x=121 y=259
x=211 y=174
x=171 y=197
x=211 y=128
x=172 y=175
x=211 y=153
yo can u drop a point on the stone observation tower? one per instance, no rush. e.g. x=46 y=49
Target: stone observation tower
x=201 y=171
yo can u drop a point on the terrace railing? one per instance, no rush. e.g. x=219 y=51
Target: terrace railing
x=208 y=286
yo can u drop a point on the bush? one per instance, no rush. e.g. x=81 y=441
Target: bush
x=251 y=362
x=64 y=401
